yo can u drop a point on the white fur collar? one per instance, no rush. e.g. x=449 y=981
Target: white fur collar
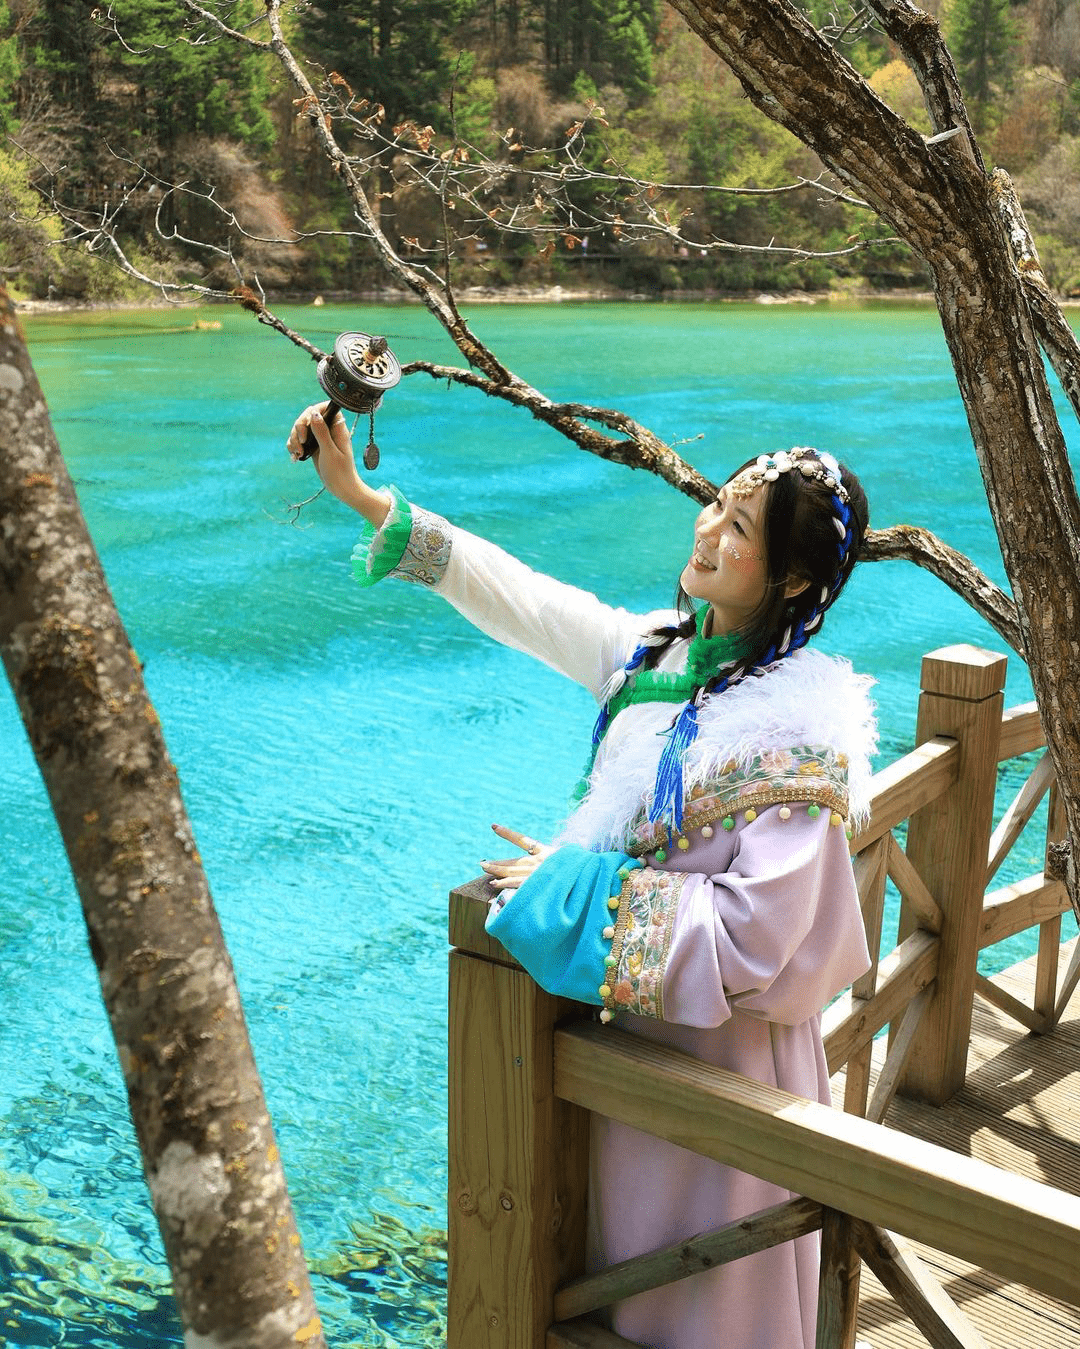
x=807 y=699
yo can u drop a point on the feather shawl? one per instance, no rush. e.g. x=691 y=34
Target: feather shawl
x=807 y=700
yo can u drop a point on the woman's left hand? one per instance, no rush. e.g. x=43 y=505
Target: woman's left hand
x=510 y=872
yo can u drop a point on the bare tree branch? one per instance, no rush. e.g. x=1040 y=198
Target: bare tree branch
x=640 y=448
x=1055 y=333
x=918 y=36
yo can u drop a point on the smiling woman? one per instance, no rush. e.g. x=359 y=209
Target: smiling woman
x=701 y=893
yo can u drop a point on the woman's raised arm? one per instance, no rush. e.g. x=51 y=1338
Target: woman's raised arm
x=335 y=464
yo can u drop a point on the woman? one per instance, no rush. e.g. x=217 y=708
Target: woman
x=701 y=891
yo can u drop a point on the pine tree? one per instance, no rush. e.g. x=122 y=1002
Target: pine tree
x=180 y=88
x=982 y=35
x=392 y=52
x=9 y=70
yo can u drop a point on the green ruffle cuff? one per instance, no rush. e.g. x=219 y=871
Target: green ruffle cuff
x=411 y=543
x=379 y=550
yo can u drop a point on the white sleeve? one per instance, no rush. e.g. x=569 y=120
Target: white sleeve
x=568 y=629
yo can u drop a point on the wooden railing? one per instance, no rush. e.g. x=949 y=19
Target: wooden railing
x=526 y=1070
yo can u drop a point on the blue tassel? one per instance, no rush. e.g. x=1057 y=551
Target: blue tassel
x=667 y=802
x=599 y=728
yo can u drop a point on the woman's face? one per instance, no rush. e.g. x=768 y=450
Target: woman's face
x=727 y=565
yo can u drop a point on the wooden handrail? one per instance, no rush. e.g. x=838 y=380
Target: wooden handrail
x=1021 y=732
x=909 y=784
x=1014 y=908
x=851 y=1022
x=1014 y=1226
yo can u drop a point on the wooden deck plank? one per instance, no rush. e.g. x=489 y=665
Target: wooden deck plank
x=1019 y=1109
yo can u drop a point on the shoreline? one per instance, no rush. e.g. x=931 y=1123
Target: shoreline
x=490 y=295
x=510 y=295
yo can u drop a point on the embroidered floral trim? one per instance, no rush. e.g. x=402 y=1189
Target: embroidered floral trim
x=411 y=543
x=807 y=773
x=647 y=905
x=427 y=553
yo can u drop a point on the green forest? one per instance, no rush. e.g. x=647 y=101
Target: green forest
x=593 y=144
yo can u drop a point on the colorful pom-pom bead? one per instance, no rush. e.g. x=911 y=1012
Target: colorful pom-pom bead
x=661 y=855
x=684 y=843
x=751 y=815
x=728 y=822
x=785 y=812
x=609 y=932
x=610 y=960
x=836 y=819
x=605 y=1016
x=604 y=990
x=813 y=810
x=624 y=874
x=613 y=902
x=850 y=833
x=706 y=831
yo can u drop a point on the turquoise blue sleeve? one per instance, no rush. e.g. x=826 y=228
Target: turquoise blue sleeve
x=379 y=551
x=557 y=924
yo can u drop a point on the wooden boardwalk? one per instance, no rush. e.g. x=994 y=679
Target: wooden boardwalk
x=1020 y=1110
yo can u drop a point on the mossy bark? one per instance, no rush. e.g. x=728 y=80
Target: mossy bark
x=211 y=1162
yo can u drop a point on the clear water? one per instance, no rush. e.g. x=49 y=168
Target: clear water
x=343 y=752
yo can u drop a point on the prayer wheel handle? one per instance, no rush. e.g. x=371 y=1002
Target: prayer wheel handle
x=355 y=376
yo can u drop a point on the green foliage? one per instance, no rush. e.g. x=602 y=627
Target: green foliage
x=393 y=53
x=9 y=70
x=473 y=105
x=675 y=115
x=26 y=231
x=983 y=38
x=58 y=43
x=610 y=42
x=177 y=88
x=626 y=46
x=867 y=48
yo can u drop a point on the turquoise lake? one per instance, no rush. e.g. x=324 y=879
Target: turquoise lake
x=343 y=752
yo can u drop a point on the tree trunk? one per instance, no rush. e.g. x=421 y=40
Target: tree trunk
x=936 y=195
x=208 y=1147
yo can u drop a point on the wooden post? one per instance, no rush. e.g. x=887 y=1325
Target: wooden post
x=948 y=842
x=1046 y=969
x=838 y=1284
x=518 y=1156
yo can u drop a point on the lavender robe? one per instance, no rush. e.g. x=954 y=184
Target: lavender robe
x=765 y=930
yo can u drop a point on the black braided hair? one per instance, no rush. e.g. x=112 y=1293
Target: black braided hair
x=812 y=535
